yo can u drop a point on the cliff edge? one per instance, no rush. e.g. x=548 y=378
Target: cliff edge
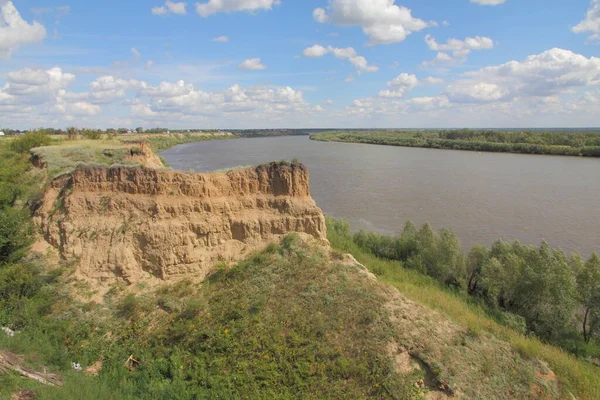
x=120 y=224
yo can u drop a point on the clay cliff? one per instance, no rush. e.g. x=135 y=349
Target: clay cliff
x=133 y=224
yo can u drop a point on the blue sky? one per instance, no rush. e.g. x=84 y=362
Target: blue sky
x=300 y=63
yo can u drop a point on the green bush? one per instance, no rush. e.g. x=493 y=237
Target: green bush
x=23 y=144
x=16 y=234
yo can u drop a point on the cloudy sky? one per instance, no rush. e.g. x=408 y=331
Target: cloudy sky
x=300 y=63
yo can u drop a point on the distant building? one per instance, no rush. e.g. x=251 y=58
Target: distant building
x=1 y=133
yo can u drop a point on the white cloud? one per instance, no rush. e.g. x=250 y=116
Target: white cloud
x=400 y=85
x=489 y=2
x=460 y=49
x=221 y=39
x=176 y=7
x=382 y=21
x=320 y=15
x=359 y=62
x=170 y=7
x=252 y=64
x=591 y=23
x=34 y=86
x=403 y=83
x=315 y=51
x=550 y=73
x=476 y=92
x=159 y=10
x=439 y=59
x=149 y=64
x=216 y=6
x=15 y=31
x=430 y=80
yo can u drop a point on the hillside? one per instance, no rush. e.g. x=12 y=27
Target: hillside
x=162 y=284
x=295 y=321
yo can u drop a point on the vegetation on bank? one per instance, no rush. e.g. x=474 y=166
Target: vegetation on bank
x=162 y=143
x=444 y=286
x=527 y=142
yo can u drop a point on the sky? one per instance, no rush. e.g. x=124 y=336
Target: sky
x=218 y=64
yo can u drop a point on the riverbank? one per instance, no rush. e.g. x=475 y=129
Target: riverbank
x=586 y=144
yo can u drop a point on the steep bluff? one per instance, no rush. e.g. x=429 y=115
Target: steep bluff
x=132 y=224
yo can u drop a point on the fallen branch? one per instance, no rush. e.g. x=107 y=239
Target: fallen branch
x=12 y=362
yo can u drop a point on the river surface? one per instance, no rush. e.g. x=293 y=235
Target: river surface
x=481 y=196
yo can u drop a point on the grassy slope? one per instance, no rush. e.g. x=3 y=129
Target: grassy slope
x=579 y=377
x=290 y=322
x=284 y=324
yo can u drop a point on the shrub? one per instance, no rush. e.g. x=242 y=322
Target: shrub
x=25 y=143
x=16 y=234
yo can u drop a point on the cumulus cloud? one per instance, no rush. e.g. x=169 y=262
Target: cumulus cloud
x=460 y=49
x=221 y=39
x=252 y=64
x=15 y=31
x=591 y=23
x=45 y=92
x=400 y=85
x=404 y=83
x=359 y=62
x=170 y=7
x=489 y=2
x=430 y=80
x=382 y=21
x=161 y=10
x=34 y=86
x=393 y=107
x=216 y=6
x=439 y=59
x=553 y=72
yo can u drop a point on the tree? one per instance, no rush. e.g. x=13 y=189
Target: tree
x=71 y=133
x=139 y=129
x=478 y=257
x=545 y=294
x=588 y=287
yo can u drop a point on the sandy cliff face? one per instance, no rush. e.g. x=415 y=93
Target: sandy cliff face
x=132 y=224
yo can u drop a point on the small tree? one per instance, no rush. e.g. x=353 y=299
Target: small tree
x=139 y=129
x=588 y=287
x=71 y=133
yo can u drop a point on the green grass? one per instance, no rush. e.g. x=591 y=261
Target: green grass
x=66 y=157
x=286 y=323
x=578 y=376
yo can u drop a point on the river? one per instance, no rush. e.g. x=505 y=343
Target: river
x=481 y=196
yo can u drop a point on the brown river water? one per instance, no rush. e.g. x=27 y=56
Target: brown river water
x=481 y=196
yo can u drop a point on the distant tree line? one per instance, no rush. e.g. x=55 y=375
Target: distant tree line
x=532 y=289
x=526 y=142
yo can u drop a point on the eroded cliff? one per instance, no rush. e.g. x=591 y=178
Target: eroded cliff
x=132 y=224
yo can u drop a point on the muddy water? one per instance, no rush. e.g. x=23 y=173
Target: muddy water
x=481 y=196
